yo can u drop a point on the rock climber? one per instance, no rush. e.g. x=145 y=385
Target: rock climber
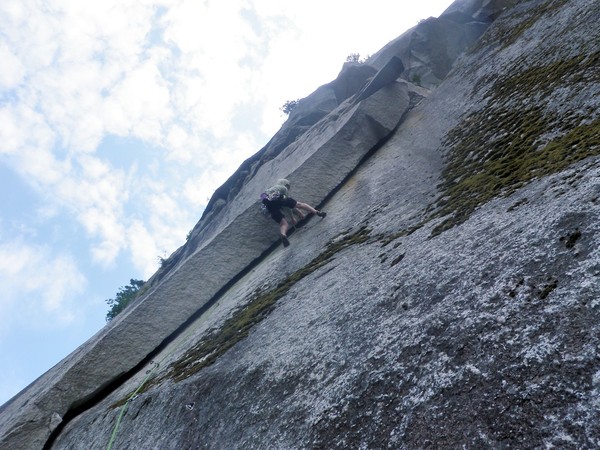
x=275 y=198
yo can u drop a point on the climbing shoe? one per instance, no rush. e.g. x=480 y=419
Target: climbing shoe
x=285 y=241
x=321 y=213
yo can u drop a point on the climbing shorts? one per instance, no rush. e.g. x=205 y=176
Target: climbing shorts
x=274 y=206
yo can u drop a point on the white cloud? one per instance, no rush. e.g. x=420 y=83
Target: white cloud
x=13 y=71
x=11 y=379
x=12 y=135
x=144 y=250
x=30 y=31
x=22 y=132
x=174 y=74
x=144 y=102
x=179 y=141
x=89 y=71
x=105 y=253
x=39 y=288
x=194 y=193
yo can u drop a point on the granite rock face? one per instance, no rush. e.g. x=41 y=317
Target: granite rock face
x=339 y=141
x=429 y=49
x=449 y=299
x=426 y=52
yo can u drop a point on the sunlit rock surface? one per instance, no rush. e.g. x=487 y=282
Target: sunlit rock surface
x=449 y=299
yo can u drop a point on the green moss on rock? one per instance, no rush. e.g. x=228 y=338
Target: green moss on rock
x=516 y=138
x=205 y=352
x=238 y=326
x=518 y=22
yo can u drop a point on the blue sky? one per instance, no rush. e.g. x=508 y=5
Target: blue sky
x=119 y=119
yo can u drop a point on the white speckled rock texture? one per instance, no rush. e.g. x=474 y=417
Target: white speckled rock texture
x=374 y=330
